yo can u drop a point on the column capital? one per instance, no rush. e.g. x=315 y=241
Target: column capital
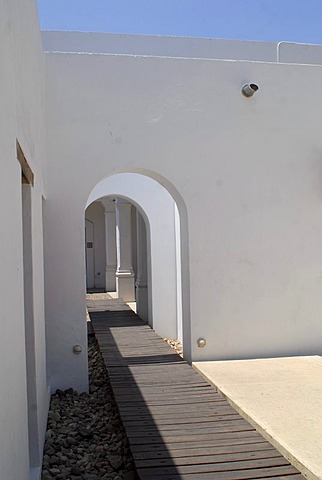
x=122 y=202
x=108 y=204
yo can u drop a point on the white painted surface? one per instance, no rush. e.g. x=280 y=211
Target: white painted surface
x=21 y=116
x=282 y=397
x=159 y=46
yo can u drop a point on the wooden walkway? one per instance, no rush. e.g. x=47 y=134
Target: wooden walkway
x=178 y=426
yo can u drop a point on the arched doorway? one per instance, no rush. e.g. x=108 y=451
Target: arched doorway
x=155 y=266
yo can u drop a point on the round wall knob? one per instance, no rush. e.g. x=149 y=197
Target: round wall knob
x=77 y=349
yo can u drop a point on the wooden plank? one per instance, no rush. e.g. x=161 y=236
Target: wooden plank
x=294 y=476
x=251 y=439
x=162 y=414
x=235 y=425
x=148 y=390
x=146 y=380
x=202 y=459
x=219 y=467
x=206 y=450
x=169 y=401
x=161 y=409
x=168 y=439
x=175 y=420
x=161 y=388
x=247 y=474
x=195 y=397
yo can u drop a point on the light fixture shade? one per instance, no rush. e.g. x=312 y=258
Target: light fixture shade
x=249 y=89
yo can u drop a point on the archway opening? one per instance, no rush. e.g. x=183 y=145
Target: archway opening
x=133 y=248
x=116 y=252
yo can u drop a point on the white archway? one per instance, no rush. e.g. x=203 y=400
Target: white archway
x=161 y=217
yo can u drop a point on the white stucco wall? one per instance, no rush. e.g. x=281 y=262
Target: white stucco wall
x=158 y=46
x=21 y=117
x=158 y=208
x=95 y=213
x=247 y=171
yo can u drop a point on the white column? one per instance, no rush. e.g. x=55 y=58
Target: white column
x=141 y=278
x=125 y=277
x=110 y=244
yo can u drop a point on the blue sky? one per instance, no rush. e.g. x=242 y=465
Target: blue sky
x=268 y=20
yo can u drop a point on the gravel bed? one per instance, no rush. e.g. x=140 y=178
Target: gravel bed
x=175 y=345
x=85 y=438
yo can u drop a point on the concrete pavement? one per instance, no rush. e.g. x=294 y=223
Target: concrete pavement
x=282 y=398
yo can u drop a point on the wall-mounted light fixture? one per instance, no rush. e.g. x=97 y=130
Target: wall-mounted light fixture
x=77 y=349
x=249 y=89
x=201 y=342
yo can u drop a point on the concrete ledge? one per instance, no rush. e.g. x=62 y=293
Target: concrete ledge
x=282 y=399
